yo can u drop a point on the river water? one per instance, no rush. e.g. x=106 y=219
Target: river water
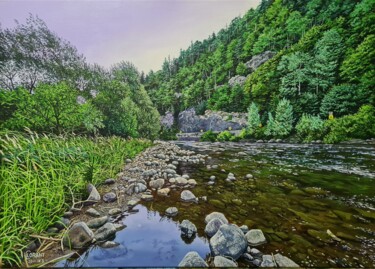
x=297 y=194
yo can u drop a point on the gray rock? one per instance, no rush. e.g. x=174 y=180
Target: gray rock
x=68 y=214
x=149 y=173
x=136 y=187
x=216 y=215
x=247 y=257
x=180 y=181
x=188 y=229
x=171 y=211
x=213 y=226
x=192 y=182
x=109 y=244
x=241 y=154
x=215 y=166
x=255 y=253
x=92 y=212
x=188 y=196
x=119 y=226
x=109 y=197
x=170 y=171
x=212 y=178
x=220 y=261
x=171 y=166
x=244 y=229
x=97 y=222
x=62 y=223
x=78 y=236
x=185 y=176
x=106 y=231
x=147 y=197
x=257 y=262
x=156 y=184
x=192 y=259
x=267 y=261
x=109 y=181
x=172 y=180
x=128 y=161
x=94 y=196
x=249 y=176
x=114 y=211
x=255 y=237
x=164 y=192
x=237 y=80
x=283 y=261
x=259 y=59
x=175 y=163
x=132 y=203
x=228 y=241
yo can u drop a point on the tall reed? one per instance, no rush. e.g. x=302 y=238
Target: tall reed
x=36 y=172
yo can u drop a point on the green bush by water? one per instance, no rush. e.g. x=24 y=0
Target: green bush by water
x=36 y=173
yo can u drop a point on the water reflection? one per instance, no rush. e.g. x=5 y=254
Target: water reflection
x=148 y=240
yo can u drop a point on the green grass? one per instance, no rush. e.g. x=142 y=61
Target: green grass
x=36 y=172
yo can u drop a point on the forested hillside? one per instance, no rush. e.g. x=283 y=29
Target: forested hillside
x=323 y=62
x=47 y=86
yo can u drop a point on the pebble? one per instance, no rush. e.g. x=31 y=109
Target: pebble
x=109 y=181
x=109 y=197
x=92 y=212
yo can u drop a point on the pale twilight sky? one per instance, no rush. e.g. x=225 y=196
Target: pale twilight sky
x=141 y=31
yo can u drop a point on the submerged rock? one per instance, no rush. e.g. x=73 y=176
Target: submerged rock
x=255 y=237
x=78 y=236
x=109 y=244
x=228 y=241
x=220 y=261
x=283 y=261
x=188 y=229
x=192 y=259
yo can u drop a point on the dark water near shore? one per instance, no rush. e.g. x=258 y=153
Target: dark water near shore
x=298 y=193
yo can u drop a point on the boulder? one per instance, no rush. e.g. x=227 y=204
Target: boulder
x=283 y=261
x=78 y=236
x=216 y=215
x=188 y=229
x=171 y=211
x=136 y=187
x=156 y=184
x=94 y=196
x=192 y=259
x=220 y=261
x=92 y=212
x=267 y=261
x=188 y=196
x=164 y=192
x=109 y=197
x=106 y=231
x=97 y=222
x=229 y=241
x=213 y=226
x=255 y=237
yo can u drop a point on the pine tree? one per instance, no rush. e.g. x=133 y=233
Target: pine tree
x=253 y=120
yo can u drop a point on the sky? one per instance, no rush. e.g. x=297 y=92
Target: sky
x=143 y=32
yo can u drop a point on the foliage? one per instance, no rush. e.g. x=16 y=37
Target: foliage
x=253 y=121
x=209 y=136
x=36 y=173
x=310 y=128
x=359 y=125
x=224 y=136
x=282 y=125
x=168 y=133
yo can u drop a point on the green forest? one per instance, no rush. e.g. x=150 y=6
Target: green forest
x=65 y=122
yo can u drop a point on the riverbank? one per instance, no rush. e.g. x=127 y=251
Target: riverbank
x=40 y=174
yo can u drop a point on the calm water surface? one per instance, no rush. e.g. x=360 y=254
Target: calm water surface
x=298 y=193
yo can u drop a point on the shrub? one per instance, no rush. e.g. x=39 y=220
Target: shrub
x=360 y=125
x=310 y=128
x=224 y=136
x=282 y=124
x=253 y=121
x=168 y=133
x=209 y=136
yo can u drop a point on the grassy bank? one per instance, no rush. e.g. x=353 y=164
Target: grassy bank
x=36 y=172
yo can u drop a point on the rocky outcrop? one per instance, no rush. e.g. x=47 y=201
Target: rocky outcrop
x=189 y=122
x=259 y=59
x=192 y=259
x=237 y=80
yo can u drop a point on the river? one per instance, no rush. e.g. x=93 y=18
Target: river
x=297 y=193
